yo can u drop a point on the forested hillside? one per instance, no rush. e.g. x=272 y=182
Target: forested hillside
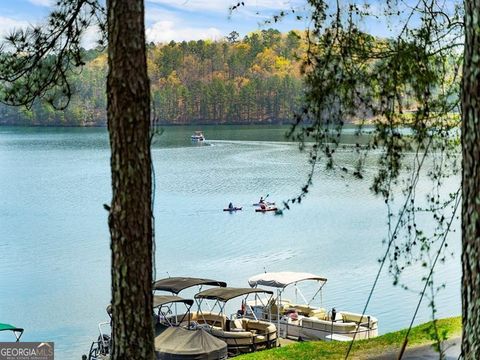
x=237 y=81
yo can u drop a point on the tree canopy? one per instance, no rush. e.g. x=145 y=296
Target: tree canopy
x=256 y=79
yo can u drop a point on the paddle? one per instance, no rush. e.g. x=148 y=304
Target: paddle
x=263 y=197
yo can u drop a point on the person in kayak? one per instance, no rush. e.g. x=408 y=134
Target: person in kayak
x=230 y=206
x=262 y=200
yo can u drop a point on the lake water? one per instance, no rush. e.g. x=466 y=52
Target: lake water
x=54 y=240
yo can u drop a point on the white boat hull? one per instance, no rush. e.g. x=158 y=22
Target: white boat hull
x=309 y=328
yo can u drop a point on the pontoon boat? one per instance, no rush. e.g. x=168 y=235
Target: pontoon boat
x=241 y=334
x=304 y=321
x=164 y=318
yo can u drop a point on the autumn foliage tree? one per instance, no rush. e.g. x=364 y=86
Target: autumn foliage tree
x=254 y=79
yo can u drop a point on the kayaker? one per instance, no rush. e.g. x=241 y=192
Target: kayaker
x=262 y=200
x=230 y=206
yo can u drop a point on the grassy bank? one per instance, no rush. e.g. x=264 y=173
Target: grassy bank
x=362 y=349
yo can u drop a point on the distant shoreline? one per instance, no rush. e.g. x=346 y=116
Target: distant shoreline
x=166 y=124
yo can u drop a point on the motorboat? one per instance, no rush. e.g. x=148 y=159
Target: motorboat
x=17 y=332
x=241 y=334
x=198 y=136
x=303 y=321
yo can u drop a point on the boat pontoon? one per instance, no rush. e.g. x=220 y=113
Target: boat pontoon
x=17 y=332
x=241 y=334
x=304 y=321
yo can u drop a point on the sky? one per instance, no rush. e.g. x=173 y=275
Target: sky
x=180 y=20
x=168 y=20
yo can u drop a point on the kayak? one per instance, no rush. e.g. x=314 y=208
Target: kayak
x=266 y=203
x=271 y=208
x=233 y=209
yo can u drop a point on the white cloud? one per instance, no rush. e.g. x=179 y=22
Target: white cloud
x=42 y=2
x=165 y=31
x=155 y=14
x=90 y=37
x=165 y=25
x=7 y=25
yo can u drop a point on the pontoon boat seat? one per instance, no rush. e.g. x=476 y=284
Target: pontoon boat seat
x=264 y=333
x=233 y=338
x=302 y=309
x=210 y=319
x=320 y=314
x=327 y=327
x=284 y=306
x=340 y=326
x=348 y=316
x=236 y=325
x=369 y=328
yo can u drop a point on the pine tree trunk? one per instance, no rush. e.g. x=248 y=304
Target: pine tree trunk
x=471 y=183
x=130 y=221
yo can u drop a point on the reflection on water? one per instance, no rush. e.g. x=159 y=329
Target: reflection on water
x=54 y=248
